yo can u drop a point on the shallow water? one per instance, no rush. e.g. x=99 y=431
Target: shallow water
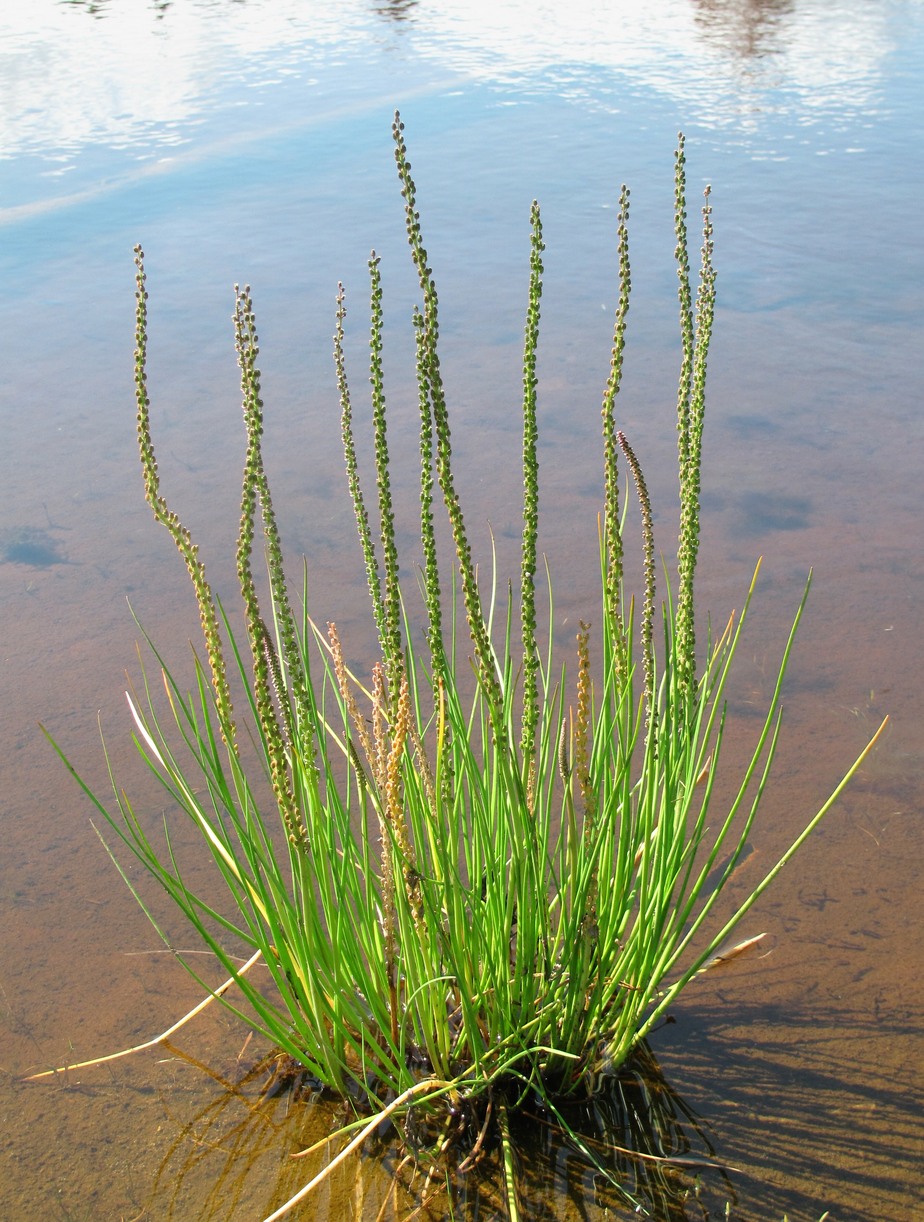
x=252 y=143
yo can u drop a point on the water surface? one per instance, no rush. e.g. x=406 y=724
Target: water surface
x=251 y=142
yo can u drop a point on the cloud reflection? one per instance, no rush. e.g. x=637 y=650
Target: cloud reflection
x=723 y=60
x=146 y=78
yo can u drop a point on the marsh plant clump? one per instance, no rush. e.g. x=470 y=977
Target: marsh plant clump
x=471 y=891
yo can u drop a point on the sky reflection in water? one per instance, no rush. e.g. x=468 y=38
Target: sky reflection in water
x=96 y=92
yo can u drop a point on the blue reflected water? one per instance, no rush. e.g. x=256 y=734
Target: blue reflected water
x=101 y=98
x=250 y=142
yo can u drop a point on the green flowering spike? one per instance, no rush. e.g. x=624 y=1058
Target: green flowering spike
x=696 y=332
x=648 y=549
x=481 y=638
x=163 y=514
x=254 y=494
x=432 y=586
x=530 y=499
x=611 y=519
x=352 y=470
x=391 y=600
x=291 y=671
x=681 y=254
